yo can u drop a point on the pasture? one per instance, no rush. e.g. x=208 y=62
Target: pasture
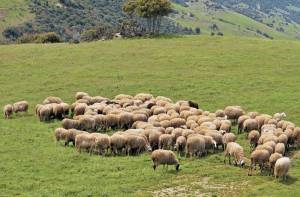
x=260 y=75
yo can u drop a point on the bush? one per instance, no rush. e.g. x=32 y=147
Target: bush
x=49 y=37
x=103 y=32
x=12 y=33
x=197 y=30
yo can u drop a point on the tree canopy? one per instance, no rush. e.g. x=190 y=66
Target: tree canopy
x=151 y=10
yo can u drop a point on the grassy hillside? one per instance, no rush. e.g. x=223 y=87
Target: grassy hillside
x=13 y=12
x=258 y=74
x=229 y=22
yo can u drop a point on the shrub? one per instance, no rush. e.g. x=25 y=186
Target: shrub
x=12 y=33
x=197 y=30
x=49 y=37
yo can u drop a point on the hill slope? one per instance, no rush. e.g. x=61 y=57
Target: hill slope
x=260 y=75
x=267 y=19
x=239 y=18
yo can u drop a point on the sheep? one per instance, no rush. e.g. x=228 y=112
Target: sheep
x=272 y=160
x=280 y=148
x=250 y=124
x=80 y=95
x=58 y=111
x=217 y=137
x=279 y=116
x=158 y=110
x=177 y=122
x=52 y=99
x=112 y=121
x=253 y=138
x=136 y=143
x=71 y=136
x=260 y=157
x=44 y=113
x=66 y=109
x=80 y=109
x=180 y=144
x=241 y=121
x=262 y=119
x=195 y=145
x=84 y=141
x=117 y=143
x=140 y=117
x=282 y=167
x=123 y=96
x=225 y=126
x=252 y=114
x=21 y=106
x=87 y=123
x=233 y=112
x=193 y=104
x=102 y=142
x=8 y=110
x=228 y=137
x=154 y=139
x=209 y=143
x=169 y=130
x=266 y=147
x=164 y=157
x=166 y=141
x=125 y=120
x=283 y=139
x=235 y=150
x=220 y=113
x=60 y=134
x=70 y=124
x=143 y=97
x=187 y=132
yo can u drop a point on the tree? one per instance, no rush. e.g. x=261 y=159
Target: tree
x=151 y=10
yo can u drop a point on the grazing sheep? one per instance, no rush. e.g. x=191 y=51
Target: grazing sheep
x=70 y=124
x=241 y=121
x=253 y=138
x=140 y=117
x=21 y=106
x=282 y=167
x=283 y=139
x=280 y=148
x=58 y=111
x=166 y=141
x=228 y=137
x=250 y=124
x=177 y=122
x=272 y=160
x=80 y=95
x=66 y=109
x=266 y=147
x=262 y=119
x=87 y=123
x=253 y=114
x=193 y=104
x=217 y=137
x=125 y=120
x=260 y=157
x=52 y=99
x=180 y=144
x=233 y=113
x=236 y=151
x=80 y=109
x=44 y=113
x=117 y=143
x=279 y=116
x=154 y=139
x=195 y=145
x=60 y=134
x=225 y=126
x=84 y=141
x=210 y=143
x=102 y=142
x=164 y=157
x=220 y=113
x=8 y=110
x=71 y=136
x=136 y=144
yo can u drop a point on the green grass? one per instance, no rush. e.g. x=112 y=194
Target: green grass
x=259 y=75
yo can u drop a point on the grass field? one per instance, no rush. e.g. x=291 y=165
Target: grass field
x=257 y=74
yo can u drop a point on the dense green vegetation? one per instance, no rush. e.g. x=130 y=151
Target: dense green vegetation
x=257 y=74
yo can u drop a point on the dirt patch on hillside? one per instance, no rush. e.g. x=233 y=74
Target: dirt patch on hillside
x=201 y=188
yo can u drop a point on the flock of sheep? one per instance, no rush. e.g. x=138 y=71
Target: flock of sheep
x=148 y=123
